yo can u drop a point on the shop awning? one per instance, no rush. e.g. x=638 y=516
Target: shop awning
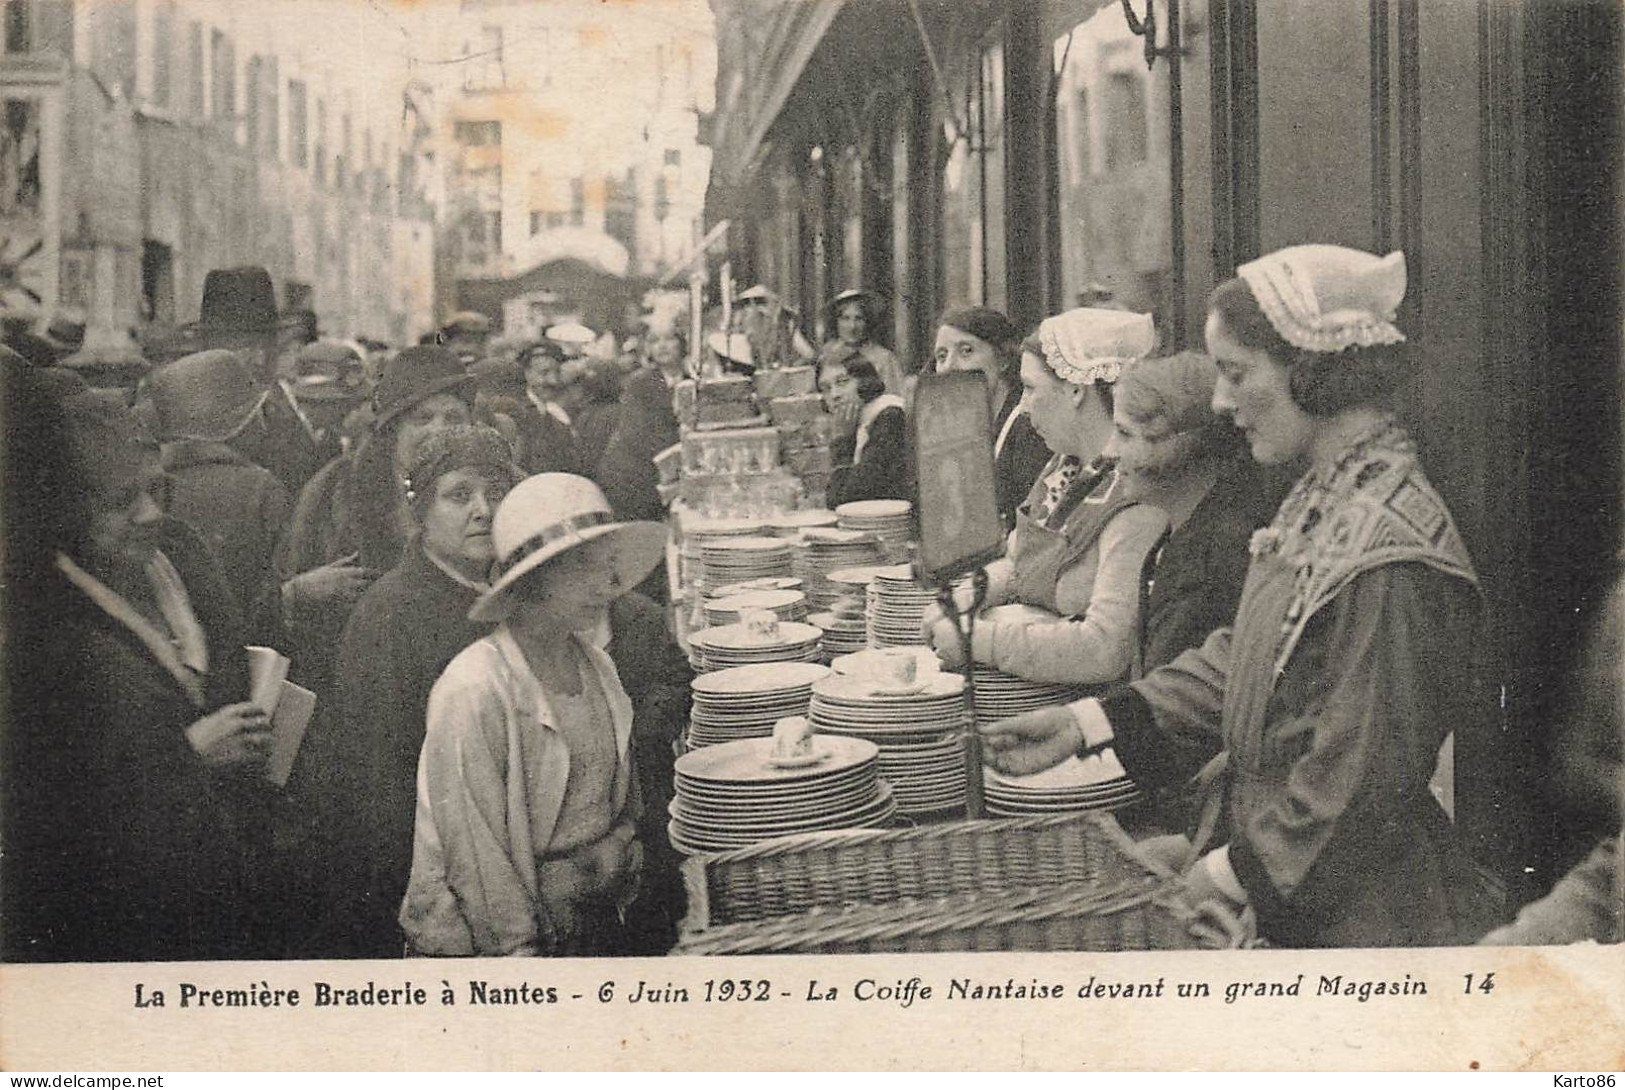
x=762 y=48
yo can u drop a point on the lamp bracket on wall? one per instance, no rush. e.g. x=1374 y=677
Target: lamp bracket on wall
x=1147 y=28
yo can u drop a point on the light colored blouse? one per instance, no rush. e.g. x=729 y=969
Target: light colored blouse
x=492 y=785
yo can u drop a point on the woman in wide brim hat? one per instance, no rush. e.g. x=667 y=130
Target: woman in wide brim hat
x=532 y=723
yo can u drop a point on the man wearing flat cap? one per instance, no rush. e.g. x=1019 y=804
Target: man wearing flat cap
x=465 y=333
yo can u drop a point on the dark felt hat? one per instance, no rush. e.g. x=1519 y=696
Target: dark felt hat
x=415 y=375
x=242 y=300
x=207 y=395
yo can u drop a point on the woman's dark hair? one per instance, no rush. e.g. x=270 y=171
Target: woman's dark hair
x=987 y=324
x=1322 y=383
x=1032 y=345
x=870 y=384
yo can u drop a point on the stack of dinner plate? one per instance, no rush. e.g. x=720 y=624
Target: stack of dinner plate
x=792 y=523
x=697 y=531
x=737 y=645
x=736 y=794
x=892 y=521
x=786 y=605
x=772 y=582
x=1000 y=695
x=1087 y=783
x=916 y=726
x=895 y=605
x=820 y=551
x=738 y=559
x=928 y=777
x=842 y=634
x=745 y=701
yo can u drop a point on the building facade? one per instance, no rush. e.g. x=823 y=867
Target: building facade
x=570 y=135
x=149 y=141
x=1030 y=154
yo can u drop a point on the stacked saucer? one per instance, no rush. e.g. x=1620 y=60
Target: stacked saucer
x=916 y=726
x=1089 y=783
x=739 y=559
x=892 y=521
x=738 y=645
x=745 y=701
x=842 y=635
x=793 y=522
x=1001 y=696
x=786 y=605
x=735 y=794
x=896 y=605
x=820 y=551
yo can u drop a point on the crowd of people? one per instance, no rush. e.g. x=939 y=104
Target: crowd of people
x=459 y=547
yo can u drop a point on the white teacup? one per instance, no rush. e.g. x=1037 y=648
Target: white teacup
x=891 y=668
x=762 y=624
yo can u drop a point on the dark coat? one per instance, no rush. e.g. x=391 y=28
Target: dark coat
x=1018 y=463
x=134 y=849
x=1199 y=573
x=241 y=510
x=357 y=775
x=882 y=474
x=646 y=426
x=595 y=426
x=550 y=446
x=655 y=674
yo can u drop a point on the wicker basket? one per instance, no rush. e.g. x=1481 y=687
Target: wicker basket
x=1069 y=882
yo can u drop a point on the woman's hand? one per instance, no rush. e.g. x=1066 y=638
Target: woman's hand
x=236 y=735
x=943 y=637
x=343 y=580
x=1032 y=742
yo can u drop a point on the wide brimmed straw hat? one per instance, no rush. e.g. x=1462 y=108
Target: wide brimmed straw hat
x=551 y=513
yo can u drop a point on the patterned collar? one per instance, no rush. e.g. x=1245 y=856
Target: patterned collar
x=1368 y=506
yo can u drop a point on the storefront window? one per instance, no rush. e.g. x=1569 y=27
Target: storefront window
x=973 y=206
x=1112 y=157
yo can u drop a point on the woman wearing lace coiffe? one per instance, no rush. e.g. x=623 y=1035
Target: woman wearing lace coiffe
x=1080 y=544
x=1348 y=659
x=526 y=839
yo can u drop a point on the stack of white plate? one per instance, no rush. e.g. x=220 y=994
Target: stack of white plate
x=736 y=645
x=1001 y=696
x=842 y=635
x=772 y=582
x=791 y=523
x=895 y=605
x=697 y=531
x=745 y=701
x=917 y=728
x=892 y=521
x=820 y=551
x=786 y=605
x=738 y=559
x=1088 y=783
x=735 y=794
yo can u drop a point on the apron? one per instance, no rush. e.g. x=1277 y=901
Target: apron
x=1044 y=553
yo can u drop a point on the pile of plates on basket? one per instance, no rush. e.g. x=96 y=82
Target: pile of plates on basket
x=737 y=559
x=734 y=795
x=1088 y=783
x=822 y=550
x=739 y=645
x=892 y=521
x=745 y=701
x=1001 y=696
x=786 y=605
x=916 y=727
x=895 y=606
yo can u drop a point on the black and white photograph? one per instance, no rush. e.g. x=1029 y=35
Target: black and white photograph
x=482 y=481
